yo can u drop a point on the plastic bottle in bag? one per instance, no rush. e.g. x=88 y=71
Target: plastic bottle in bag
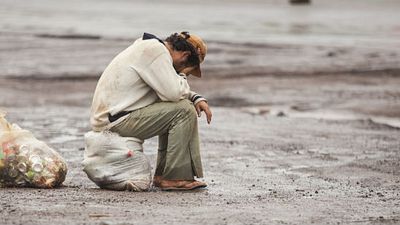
x=26 y=161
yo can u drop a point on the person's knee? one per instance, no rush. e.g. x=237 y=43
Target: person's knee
x=186 y=107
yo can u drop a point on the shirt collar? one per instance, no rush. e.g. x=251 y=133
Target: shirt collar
x=147 y=36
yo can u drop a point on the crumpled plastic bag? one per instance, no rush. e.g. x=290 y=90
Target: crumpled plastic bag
x=116 y=163
x=26 y=161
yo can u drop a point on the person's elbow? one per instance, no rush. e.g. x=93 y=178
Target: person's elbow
x=173 y=96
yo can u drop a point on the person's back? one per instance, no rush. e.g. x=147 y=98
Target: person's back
x=122 y=85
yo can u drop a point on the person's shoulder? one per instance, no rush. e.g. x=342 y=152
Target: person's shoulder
x=152 y=47
x=144 y=52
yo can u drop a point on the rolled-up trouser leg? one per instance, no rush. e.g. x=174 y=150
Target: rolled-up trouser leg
x=177 y=123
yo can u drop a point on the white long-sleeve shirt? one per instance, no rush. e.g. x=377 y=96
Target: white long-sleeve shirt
x=137 y=77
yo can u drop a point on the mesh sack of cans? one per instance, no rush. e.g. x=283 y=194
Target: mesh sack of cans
x=26 y=161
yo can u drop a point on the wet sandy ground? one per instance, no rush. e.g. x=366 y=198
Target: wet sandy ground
x=306 y=121
x=63 y=56
x=269 y=156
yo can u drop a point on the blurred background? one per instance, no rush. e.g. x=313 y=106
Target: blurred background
x=79 y=37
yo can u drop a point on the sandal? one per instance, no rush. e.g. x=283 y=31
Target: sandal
x=181 y=185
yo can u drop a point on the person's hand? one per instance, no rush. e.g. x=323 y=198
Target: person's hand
x=203 y=106
x=187 y=70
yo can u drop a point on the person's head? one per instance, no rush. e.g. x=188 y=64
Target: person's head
x=187 y=50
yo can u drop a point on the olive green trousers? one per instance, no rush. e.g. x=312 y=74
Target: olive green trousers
x=175 y=123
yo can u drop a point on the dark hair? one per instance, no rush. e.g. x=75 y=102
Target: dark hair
x=179 y=43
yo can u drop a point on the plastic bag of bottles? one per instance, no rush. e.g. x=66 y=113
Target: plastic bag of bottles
x=26 y=161
x=116 y=163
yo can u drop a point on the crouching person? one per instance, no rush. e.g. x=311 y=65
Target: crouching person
x=144 y=93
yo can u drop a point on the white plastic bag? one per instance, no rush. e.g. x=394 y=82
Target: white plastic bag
x=26 y=161
x=115 y=162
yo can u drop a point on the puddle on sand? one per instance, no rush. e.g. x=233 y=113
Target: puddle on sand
x=320 y=114
x=343 y=115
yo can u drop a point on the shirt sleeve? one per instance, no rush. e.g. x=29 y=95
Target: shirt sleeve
x=193 y=96
x=161 y=76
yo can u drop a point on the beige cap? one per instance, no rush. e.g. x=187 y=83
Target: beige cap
x=200 y=47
